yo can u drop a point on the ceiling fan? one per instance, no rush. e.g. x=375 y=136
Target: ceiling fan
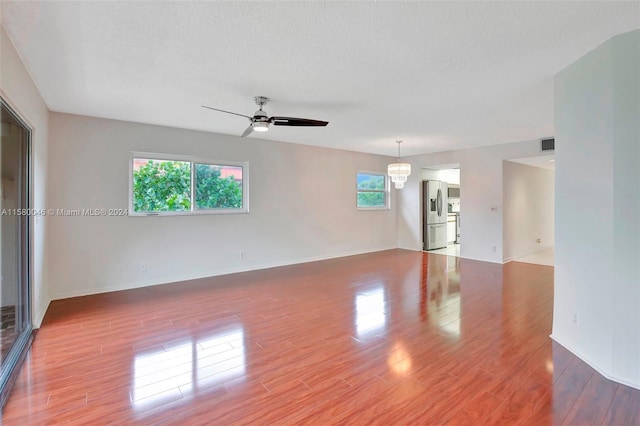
x=261 y=121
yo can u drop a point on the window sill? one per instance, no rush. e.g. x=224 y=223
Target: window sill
x=190 y=213
x=372 y=208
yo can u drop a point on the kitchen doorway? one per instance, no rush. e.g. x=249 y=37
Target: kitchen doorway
x=15 y=207
x=449 y=174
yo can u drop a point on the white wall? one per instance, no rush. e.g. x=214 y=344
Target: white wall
x=430 y=174
x=451 y=176
x=480 y=191
x=597 y=272
x=18 y=89
x=528 y=209
x=302 y=207
x=626 y=215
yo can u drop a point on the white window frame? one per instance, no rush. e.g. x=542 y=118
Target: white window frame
x=193 y=161
x=387 y=192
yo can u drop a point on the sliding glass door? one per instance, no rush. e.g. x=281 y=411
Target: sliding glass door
x=15 y=305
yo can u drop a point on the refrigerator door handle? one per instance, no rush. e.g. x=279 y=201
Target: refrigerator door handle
x=439 y=202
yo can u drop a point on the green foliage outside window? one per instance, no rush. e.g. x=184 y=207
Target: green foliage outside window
x=371 y=199
x=165 y=186
x=162 y=186
x=215 y=192
x=371 y=190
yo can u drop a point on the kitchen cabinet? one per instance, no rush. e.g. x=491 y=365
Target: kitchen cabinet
x=451 y=228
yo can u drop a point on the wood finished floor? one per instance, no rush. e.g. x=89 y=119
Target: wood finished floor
x=394 y=337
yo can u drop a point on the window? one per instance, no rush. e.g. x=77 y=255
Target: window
x=218 y=186
x=170 y=185
x=372 y=191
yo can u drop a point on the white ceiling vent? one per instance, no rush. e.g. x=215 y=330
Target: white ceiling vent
x=547 y=144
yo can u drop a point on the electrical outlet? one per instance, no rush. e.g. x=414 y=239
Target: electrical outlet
x=538 y=240
x=243 y=255
x=143 y=267
x=576 y=319
x=494 y=248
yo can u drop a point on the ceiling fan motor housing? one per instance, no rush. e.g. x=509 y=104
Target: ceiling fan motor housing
x=260 y=121
x=260 y=115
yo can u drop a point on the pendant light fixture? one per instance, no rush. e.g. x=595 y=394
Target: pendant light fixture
x=399 y=171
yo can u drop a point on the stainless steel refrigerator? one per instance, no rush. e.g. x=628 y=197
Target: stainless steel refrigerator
x=434 y=202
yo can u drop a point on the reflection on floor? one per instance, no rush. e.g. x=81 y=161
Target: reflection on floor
x=393 y=337
x=451 y=250
x=543 y=257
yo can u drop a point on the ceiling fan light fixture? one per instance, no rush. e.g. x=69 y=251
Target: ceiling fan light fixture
x=260 y=126
x=399 y=172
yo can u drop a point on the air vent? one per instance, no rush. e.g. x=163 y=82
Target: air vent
x=547 y=144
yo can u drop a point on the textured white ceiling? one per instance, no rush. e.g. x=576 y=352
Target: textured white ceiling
x=438 y=75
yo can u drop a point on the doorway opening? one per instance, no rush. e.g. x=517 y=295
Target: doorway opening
x=528 y=194
x=15 y=206
x=445 y=219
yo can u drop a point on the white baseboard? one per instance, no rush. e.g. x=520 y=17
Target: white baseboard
x=40 y=312
x=482 y=260
x=531 y=253
x=592 y=365
x=172 y=279
x=461 y=257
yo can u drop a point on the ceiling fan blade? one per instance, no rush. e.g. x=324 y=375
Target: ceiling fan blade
x=248 y=131
x=291 y=121
x=228 y=112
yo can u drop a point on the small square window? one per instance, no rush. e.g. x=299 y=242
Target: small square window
x=372 y=191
